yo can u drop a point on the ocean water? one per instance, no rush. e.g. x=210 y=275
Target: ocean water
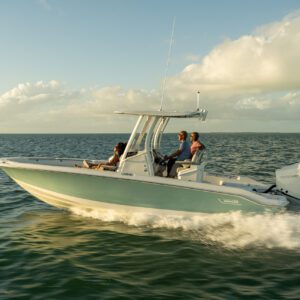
x=48 y=253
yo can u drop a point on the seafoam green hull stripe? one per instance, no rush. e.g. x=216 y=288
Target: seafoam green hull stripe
x=133 y=193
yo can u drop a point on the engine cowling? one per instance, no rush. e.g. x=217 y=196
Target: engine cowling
x=288 y=180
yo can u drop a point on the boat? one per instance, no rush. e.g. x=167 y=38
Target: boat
x=138 y=183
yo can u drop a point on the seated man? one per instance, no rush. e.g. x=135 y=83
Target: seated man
x=113 y=161
x=182 y=153
x=196 y=144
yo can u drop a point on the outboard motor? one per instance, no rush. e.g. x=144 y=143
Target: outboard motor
x=288 y=180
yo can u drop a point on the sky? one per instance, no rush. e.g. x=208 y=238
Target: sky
x=66 y=65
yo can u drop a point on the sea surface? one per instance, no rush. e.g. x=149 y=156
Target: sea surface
x=48 y=253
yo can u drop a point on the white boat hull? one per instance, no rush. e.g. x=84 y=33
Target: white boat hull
x=63 y=185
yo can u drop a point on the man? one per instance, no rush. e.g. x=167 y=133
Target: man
x=182 y=153
x=196 y=144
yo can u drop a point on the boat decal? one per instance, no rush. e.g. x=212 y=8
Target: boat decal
x=229 y=201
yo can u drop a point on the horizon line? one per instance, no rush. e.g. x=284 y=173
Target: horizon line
x=204 y=132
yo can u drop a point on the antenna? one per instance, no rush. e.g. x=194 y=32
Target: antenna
x=198 y=100
x=167 y=66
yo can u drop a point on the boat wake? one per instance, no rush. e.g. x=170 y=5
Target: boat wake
x=231 y=230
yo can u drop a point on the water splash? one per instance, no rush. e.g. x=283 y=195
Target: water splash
x=231 y=230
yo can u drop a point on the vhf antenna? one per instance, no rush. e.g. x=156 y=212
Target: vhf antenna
x=198 y=100
x=167 y=66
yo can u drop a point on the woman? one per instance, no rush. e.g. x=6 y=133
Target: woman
x=113 y=160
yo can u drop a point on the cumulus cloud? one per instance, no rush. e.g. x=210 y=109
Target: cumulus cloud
x=30 y=106
x=267 y=60
x=123 y=99
x=292 y=99
x=103 y=101
x=253 y=103
x=27 y=92
x=255 y=77
x=52 y=105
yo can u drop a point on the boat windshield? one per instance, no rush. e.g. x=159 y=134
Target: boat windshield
x=146 y=135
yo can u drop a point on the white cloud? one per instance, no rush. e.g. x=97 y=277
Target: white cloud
x=256 y=77
x=34 y=103
x=292 y=99
x=113 y=98
x=38 y=106
x=38 y=92
x=253 y=103
x=267 y=60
